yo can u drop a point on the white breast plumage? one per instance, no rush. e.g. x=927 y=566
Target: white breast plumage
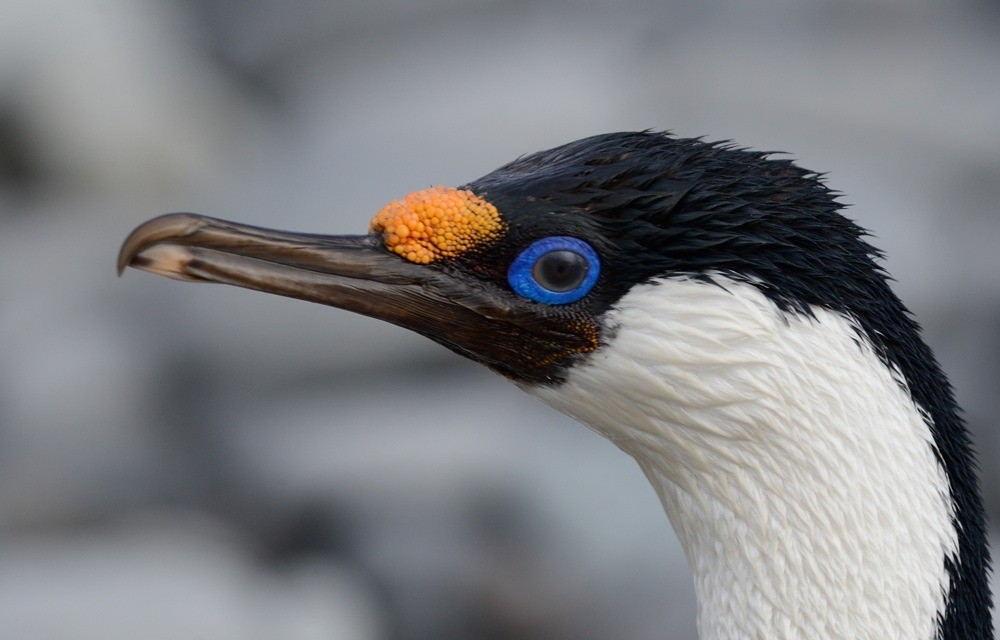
x=796 y=469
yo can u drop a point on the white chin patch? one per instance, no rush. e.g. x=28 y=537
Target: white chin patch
x=797 y=471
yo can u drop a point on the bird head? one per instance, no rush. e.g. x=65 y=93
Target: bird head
x=518 y=270
x=710 y=311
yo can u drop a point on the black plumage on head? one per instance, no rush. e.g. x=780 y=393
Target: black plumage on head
x=657 y=206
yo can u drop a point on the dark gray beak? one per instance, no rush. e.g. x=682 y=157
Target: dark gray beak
x=472 y=317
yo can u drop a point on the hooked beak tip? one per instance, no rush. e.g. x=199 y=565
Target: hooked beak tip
x=168 y=226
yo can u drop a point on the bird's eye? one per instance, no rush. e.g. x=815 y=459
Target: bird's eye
x=555 y=270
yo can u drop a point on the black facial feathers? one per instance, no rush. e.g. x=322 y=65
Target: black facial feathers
x=657 y=206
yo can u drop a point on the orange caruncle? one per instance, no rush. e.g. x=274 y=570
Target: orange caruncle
x=437 y=223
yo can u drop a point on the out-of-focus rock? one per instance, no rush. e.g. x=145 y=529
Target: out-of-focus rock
x=170 y=576
x=116 y=97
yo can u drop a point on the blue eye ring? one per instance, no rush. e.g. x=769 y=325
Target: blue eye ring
x=521 y=274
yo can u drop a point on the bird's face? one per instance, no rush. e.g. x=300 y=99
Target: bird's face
x=441 y=262
x=519 y=269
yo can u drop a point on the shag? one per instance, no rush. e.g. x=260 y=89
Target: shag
x=711 y=311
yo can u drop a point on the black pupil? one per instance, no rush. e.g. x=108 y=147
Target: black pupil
x=560 y=271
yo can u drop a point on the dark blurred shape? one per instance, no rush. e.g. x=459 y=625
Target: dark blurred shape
x=20 y=170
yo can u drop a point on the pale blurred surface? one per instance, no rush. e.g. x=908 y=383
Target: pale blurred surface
x=182 y=461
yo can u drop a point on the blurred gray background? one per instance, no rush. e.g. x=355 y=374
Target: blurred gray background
x=181 y=461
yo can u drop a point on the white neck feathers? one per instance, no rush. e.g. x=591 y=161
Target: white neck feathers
x=798 y=474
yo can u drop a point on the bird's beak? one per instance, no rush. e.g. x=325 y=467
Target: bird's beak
x=359 y=274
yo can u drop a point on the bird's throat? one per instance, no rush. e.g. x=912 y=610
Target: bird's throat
x=796 y=469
